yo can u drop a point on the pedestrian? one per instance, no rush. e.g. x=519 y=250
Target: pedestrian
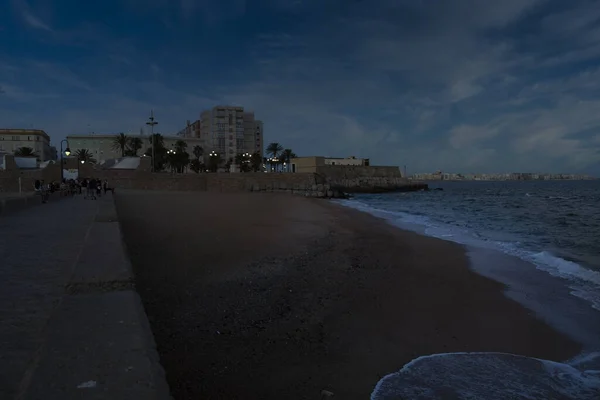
x=91 y=188
x=104 y=185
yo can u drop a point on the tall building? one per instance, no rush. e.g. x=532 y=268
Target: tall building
x=36 y=139
x=191 y=130
x=229 y=131
x=102 y=146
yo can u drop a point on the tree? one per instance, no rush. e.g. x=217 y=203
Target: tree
x=214 y=160
x=274 y=149
x=196 y=166
x=160 y=152
x=244 y=162
x=286 y=157
x=180 y=146
x=120 y=142
x=25 y=152
x=85 y=155
x=198 y=152
x=134 y=144
x=256 y=161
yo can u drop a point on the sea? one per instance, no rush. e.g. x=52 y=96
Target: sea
x=541 y=239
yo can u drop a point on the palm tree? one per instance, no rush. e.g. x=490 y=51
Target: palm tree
x=274 y=149
x=256 y=161
x=85 y=155
x=180 y=146
x=158 y=140
x=25 y=152
x=135 y=144
x=198 y=151
x=120 y=142
x=286 y=156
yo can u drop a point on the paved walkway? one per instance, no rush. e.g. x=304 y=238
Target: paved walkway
x=70 y=324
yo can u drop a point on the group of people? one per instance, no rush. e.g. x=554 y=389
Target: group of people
x=95 y=187
x=69 y=187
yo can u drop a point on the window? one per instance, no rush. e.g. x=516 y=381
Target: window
x=15 y=138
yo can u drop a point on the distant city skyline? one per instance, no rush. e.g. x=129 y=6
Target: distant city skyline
x=464 y=85
x=503 y=176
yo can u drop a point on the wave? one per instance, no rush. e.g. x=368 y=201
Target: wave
x=488 y=376
x=584 y=283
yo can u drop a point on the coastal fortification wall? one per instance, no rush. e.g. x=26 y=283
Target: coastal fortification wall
x=337 y=172
x=365 y=179
x=332 y=181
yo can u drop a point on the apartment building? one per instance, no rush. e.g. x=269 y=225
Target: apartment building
x=191 y=130
x=101 y=146
x=38 y=140
x=229 y=130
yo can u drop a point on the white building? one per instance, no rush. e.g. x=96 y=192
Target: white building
x=36 y=139
x=102 y=146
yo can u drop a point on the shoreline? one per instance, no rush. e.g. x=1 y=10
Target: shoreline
x=316 y=296
x=535 y=286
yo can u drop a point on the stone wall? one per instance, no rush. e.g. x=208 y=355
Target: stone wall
x=336 y=172
x=331 y=181
x=365 y=179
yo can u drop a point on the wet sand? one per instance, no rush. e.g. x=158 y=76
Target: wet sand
x=267 y=296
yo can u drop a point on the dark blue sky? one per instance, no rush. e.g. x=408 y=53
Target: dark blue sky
x=462 y=85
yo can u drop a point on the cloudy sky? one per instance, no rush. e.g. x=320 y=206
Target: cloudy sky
x=461 y=85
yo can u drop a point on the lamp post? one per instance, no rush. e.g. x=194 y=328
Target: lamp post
x=66 y=152
x=211 y=155
x=152 y=122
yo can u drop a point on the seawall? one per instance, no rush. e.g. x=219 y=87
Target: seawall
x=329 y=181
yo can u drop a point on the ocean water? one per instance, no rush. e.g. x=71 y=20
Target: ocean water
x=542 y=240
x=488 y=376
x=553 y=224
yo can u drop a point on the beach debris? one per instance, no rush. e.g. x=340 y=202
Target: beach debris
x=326 y=393
x=87 y=385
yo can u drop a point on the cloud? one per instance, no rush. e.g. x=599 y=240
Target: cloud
x=466 y=85
x=29 y=17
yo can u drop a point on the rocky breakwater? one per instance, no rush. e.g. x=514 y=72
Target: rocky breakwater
x=323 y=191
x=366 y=179
x=376 y=185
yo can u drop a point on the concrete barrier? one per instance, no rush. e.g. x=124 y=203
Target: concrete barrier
x=99 y=344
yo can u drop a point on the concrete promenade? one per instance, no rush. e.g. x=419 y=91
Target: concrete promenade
x=71 y=324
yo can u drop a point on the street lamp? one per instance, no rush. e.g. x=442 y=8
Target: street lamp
x=152 y=122
x=212 y=155
x=67 y=152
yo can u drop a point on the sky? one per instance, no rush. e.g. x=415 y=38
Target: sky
x=458 y=86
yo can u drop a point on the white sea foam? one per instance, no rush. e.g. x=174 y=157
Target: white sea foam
x=487 y=376
x=584 y=283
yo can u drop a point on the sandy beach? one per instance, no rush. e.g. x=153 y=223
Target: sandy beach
x=267 y=296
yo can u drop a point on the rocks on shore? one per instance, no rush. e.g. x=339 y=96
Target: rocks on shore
x=327 y=191
x=317 y=191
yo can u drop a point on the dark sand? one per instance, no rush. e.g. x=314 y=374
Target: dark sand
x=266 y=296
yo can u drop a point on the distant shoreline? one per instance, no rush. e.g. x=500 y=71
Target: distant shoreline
x=500 y=180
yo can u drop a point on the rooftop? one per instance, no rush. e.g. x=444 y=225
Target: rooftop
x=24 y=132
